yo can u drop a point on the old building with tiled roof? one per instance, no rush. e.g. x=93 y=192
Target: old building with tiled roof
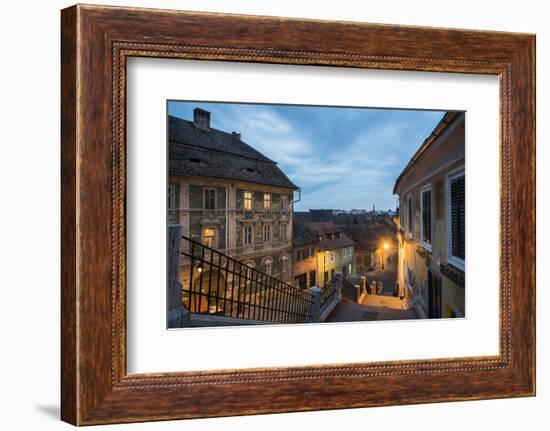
x=229 y=196
x=321 y=247
x=431 y=223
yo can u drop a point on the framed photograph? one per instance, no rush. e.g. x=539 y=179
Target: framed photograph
x=267 y=215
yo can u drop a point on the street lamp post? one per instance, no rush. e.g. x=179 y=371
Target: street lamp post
x=384 y=248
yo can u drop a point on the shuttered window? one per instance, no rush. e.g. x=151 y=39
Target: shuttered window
x=426 y=206
x=458 y=216
x=410 y=216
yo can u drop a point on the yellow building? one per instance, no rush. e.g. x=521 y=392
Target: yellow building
x=305 y=250
x=334 y=251
x=431 y=223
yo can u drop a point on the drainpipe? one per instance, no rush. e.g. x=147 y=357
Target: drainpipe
x=299 y=198
x=227 y=220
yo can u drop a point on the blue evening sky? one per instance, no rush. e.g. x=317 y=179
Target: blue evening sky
x=341 y=158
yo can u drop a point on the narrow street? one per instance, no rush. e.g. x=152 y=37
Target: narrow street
x=349 y=312
x=387 y=276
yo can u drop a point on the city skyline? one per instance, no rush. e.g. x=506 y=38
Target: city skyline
x=342 y=158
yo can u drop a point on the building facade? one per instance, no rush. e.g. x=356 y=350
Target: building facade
x=228 y=196
x=431 y=223
x=305 y=256
x=334 y=251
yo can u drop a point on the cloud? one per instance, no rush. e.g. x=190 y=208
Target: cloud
x=340 y=157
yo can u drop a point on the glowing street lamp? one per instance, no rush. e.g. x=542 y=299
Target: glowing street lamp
x=384 y=248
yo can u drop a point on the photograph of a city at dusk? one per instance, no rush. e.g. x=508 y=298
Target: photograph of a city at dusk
x=285 y=214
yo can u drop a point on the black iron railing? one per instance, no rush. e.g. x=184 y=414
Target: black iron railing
x=329 y=292
x=216 y=284
x=349 y=291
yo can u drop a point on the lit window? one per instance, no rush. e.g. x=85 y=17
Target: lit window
x=209 y=235
x=267 y=202
x=247 y=235
x=426 y=216
x=267 y=233
x=282 y=231
x=209 y=199
x=248 y=200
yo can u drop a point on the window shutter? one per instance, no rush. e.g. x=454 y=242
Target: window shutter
x=458 y=216
x=410 y=215
x=427 y=216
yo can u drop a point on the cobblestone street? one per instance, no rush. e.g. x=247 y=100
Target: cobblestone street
x=387 y=276
x=348 y=312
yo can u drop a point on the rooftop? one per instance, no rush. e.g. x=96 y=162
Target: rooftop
x=448 y=119
x=329 y=236
x=196 y=149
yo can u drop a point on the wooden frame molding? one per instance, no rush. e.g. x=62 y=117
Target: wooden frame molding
x=96 y=42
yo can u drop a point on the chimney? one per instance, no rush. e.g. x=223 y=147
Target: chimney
x=201 y=118
x=236 y=135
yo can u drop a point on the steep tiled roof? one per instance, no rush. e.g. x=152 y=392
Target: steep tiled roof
x=330 y=235
x=448 y=118
x=301 y=234
x=216 y=154
x=369 y=237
